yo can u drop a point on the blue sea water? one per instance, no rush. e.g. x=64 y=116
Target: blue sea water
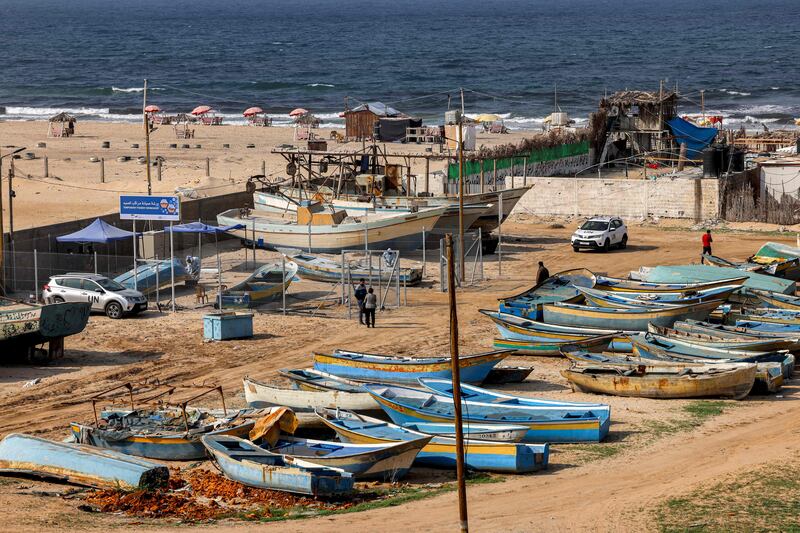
x=90 y=56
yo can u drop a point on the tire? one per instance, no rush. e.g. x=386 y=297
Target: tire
x=607 y=245
x=58 y=300
x=113 y=310
x=576 y=249
x=624 y=242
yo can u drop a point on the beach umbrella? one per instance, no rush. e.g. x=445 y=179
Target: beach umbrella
x=201 y=110
x=250 y=111
x=487 y=117
x=152 y=109
x=298 y=112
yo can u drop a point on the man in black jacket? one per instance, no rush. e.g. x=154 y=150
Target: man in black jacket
x=360 y=294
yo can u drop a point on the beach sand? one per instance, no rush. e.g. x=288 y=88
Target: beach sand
x=74 y=190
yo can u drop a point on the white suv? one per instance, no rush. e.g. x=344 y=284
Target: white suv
x=601 y=233
x=104 y=294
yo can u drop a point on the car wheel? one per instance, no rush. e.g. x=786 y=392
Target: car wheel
x=114 y=310
x=576 y=249
x=58 y=300
x=624 y=242
x=607 y=245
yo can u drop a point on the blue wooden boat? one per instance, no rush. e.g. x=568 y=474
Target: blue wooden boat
x=771 y=327
x=741 y=343
x=162 y=434
x=318 y=268
x=533 y=337
x=547 y=422
x=766 y=316
x=788 y=268
x=726 y=331
x=777 y=300
x=625 y=319
x=388 y=462
x=560 y=287
x=706 y=274
x=649 y=299
x=440 y=452
x=78 y=463
x=398 y=369
x=490 y=432
x=243 y=461
x=606 y=283
x=266 y=285
x=153 y=275
x=25 y=325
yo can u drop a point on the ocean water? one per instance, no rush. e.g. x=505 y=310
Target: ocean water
x=89 y=57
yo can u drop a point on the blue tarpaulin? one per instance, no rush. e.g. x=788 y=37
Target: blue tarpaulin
x=199 y=227
x=695 y=137
x=97 y=232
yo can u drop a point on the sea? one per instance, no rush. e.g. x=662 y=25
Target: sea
x=520 y=59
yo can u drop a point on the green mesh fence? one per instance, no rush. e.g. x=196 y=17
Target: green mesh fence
x=536 y=156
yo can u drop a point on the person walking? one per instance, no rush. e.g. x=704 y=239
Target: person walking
x=360 y=294
x=542 y=274
x=370 y=304
x=707 y=240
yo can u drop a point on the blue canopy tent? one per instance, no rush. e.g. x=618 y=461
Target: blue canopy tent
x=201 y=229
x=694 y=137
x=99 y=232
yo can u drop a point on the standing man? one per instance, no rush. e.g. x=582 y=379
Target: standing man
x=542 y=274
x=707 y=240
x=370 y=303
x=360 y=294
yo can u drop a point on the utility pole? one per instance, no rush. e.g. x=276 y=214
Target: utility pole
x=703 y=104
x=456 y=374
x=11 y=204
x=146 y=137
x=2 y=231
x=461 y=190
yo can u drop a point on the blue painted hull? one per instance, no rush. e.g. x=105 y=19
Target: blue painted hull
x=625 y=319
x=152 y=275
x=475 y=374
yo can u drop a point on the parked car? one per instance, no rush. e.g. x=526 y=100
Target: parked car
x=601 y=233
x=104 y=294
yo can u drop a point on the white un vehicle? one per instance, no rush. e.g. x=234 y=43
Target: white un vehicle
x=104 y=294
x=601 y=233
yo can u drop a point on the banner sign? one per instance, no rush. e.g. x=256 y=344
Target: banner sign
x=150 y=208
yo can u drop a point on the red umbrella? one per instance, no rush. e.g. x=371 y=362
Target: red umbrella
x=298 y=112
x=250 y=111
x=152 y=109
x=201 y=110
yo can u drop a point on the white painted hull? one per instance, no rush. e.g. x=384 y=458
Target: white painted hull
x=261 y=395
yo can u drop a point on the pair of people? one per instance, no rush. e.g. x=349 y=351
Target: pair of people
x=367 y=303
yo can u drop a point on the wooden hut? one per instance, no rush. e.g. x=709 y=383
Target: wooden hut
x=359 y=122
x=61 y=125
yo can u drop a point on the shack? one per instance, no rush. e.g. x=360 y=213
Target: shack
x=61 y=125
x=360 y=121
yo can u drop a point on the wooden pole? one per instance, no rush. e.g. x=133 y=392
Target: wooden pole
x=159 y=169
x=146 y=138
x=461 y=190
x=102 y=170
x=494 y=174
x=11 y=206
x=483 y=183
x=208 y=166
x=454 y=361
x=427 y=175
x=46 y=168
x=263 y=168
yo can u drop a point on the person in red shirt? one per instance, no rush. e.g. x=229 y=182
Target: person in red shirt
x=707 y=240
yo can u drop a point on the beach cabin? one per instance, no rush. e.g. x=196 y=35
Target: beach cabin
x=61 y=125
x=359 y=122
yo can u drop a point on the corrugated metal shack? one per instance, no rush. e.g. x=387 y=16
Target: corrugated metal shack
x=360 y=121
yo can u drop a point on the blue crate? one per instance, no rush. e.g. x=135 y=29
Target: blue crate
x=227 y=325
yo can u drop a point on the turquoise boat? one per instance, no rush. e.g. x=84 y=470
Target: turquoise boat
x=777 y=250
x=537 y=338
x=726 y=332
x=606 y=283
x=788 y=268
x=25 y=325
x=388 y=462
x=625 y=319
x=266 y=285
x=741 y=343
x=546 y=422
x=243 y=461
x=623 y=300
x=705 y=274
x=440 y=452
x=400 y=369
x=78 y=463
x=759 y=326
x=560 y=287
x=777 y=300
x=153 y=275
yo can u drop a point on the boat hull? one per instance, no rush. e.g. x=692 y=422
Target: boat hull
x=625 y=319
x=260 y=395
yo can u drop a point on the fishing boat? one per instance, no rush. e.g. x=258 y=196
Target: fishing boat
x=547 y=422
x=399 y=369
x=388 y=462
x=78 y=463
x=314 y=380
x=772 y=266
x=247 y=463
x=266 y=285
x=727 y=332
x=560 y=287
x=764 y=315
x=786 y=259
x=740 y=343
x=321 y=269
x=606 y=283
x=683 y=347
x=635 y=319
x=259 y=395
x=170 y=434
x=495 y=433
x=644 y=299
x=25 y=325
x=508 y=374
x=440 y=452
x=316 y=229
x=533 y=337
x=777 y=300
x=662 y=382
x=153 y=275
x=707 y=274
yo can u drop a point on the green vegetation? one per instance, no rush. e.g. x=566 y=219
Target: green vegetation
x=587 y=453
x=767 y=499
x=698 y=412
